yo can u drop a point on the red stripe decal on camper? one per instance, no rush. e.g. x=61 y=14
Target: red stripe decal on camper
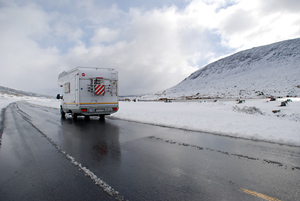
x=99 y=89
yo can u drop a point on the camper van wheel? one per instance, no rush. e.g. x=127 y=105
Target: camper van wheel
x=102 y=118
x=75 y=116
x=63 y=114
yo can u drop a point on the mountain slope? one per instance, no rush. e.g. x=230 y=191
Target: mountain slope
x=271 y=70
x=16 y=92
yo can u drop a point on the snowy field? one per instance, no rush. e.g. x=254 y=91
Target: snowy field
x=253 y=119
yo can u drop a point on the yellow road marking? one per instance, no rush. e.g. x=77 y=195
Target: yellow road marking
x=260 y=195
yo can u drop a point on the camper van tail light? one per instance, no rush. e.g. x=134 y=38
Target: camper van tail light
x=83 y=110
x=115 y=109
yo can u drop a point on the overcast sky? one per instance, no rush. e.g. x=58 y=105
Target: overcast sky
x=154 y=44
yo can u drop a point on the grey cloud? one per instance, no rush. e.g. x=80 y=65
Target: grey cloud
x=285 y=6
x=239 y=21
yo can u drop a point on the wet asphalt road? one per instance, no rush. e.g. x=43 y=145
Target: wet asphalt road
x=43 y=157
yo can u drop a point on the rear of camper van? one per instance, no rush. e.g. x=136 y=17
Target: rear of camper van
x=89 y=91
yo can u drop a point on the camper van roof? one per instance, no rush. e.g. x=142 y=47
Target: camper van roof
x=80 y=68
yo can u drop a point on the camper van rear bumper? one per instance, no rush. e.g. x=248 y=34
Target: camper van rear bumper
x=95 y=114
x=91 y=110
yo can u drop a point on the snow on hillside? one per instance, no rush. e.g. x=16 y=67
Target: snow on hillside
x=16 y=92
x=271 y=70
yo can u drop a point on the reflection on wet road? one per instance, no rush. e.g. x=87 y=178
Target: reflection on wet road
x=136 y=161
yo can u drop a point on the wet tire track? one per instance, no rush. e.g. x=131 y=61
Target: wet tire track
x=264 y=161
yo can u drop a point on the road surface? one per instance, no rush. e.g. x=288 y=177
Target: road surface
x=44 y=157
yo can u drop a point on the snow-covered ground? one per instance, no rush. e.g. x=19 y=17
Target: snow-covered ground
x=253 y=119
x=6 y=99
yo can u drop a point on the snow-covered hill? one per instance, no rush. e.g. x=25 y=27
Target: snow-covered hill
x=16 y=92
x=271 y=70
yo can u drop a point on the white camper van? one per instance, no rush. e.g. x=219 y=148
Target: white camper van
x=89 y=92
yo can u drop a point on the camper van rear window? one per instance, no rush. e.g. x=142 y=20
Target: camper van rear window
x=67 y=87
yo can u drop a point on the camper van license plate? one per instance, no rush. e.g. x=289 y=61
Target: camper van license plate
x=103 y=109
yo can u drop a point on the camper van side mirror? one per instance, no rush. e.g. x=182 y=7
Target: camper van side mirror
x=59 y=96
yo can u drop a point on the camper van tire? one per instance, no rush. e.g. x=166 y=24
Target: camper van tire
x=75 y=115
x=63 y=114
x=102 y=117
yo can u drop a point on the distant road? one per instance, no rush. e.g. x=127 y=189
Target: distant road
x=43 y=157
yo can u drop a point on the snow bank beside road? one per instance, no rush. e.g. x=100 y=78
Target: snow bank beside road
x=3 y=104
x=252 y=120
x=45 y=102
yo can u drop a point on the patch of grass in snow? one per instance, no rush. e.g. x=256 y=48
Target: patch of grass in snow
x=292 y=117
x=248 y=110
